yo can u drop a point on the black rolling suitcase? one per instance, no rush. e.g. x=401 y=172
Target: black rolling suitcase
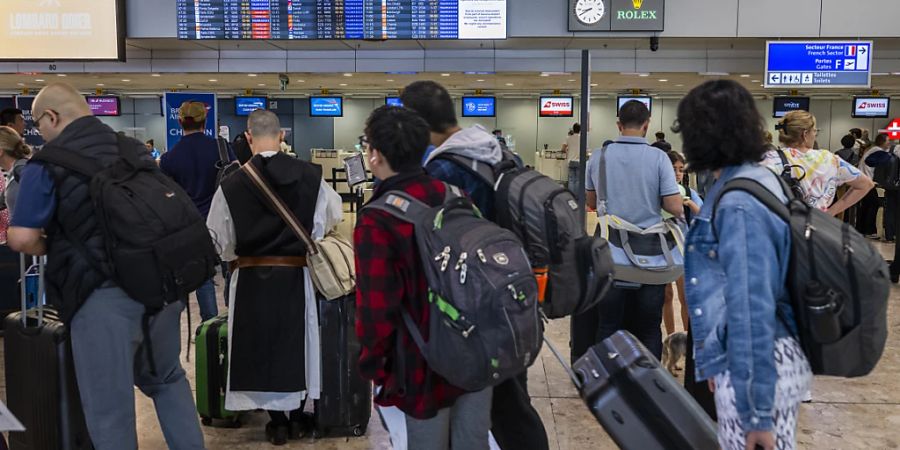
x=637 y=401
x=9 y=282
x=345 y=404
x=41 y=390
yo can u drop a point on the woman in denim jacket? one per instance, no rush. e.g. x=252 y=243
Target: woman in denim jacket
x=736 y=267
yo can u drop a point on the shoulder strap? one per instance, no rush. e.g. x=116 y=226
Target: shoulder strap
x=223 y=151
x=400 y=205
x=601 y=184
x=66 y=159
x=480 y=169
x=759 y=192
x=277 y=205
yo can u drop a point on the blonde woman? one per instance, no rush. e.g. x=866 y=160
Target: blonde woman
x=819 y=172
x=14 y=153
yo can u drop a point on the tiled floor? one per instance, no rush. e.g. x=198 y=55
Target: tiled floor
x=845 y=414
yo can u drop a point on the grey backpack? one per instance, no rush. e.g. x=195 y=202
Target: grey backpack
x=484 y=322
x=544 y=215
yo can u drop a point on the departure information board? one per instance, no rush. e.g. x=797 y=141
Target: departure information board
x=341 y=19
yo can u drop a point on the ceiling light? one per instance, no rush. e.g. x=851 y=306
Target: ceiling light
x=545 y=74
x=880 y=74
x=762 y=85
x=445 y=74
x=663 y=80
x=390 y=81
x=251 y=74
x=155 y=75
x=213 y=80
x=754 y=81
x=480 y=81
x=343 y=84
x=261 y=84
x=21 y=84
x=572 y=81
x=895 y=73
x=745 y=75
x=348 y=74
x=644 y=75
x=125 y=80
x=181 y=84
x=594 y=84
x=100 y=84
x=301 y=81
x=510 y=84
x=679 y=85
x=713 y=74
x=61 y=75
x=39 y=80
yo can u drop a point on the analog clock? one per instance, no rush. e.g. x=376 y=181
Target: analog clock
x=589 y=12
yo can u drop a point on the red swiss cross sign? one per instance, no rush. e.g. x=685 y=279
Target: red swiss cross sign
x=893 y=129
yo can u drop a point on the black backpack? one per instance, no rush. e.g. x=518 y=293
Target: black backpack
x=157 y=242
x=544 y=215
x=484 y=318
x=887 y=175
x=838 y=285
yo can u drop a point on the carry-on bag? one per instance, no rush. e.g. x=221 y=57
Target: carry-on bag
x=345 y=404
x=639 y=404
x=41 y=390
x=9 y=282
x=211 y=363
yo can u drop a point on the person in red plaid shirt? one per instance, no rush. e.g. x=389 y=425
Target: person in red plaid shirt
x=421 y=409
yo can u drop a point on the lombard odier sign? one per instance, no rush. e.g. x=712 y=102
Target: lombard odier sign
x=617 y=15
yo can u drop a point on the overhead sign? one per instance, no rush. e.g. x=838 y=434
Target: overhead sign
x=557 y=107
x=173 y=101
x=818 y=64
x=32 y=135
x=617 y=15
x=62 y=30
x=892 y=130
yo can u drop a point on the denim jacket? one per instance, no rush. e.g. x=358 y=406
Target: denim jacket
x=736 y=275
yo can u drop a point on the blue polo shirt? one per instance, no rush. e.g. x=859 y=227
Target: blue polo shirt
x=36 y=202
x=638 y=176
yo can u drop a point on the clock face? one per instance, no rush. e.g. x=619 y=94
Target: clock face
x=589 y=12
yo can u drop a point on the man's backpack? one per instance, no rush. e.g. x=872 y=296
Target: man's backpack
x=224 y=165
x=887 y=173
x=484 y=322
x=578 y=268
x=158 y=246
x=838 y=284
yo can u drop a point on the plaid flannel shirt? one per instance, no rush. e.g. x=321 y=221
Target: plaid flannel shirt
x=389 y=276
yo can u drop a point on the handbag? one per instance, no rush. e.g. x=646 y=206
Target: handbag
x=653 y=255
x=330 y=260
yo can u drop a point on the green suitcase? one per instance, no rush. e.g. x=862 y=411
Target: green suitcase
x=212 y=372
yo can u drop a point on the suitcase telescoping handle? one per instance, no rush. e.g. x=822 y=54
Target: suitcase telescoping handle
x=559 y=357
x=40 y=262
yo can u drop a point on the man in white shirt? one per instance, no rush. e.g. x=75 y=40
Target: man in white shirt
x=572 y=146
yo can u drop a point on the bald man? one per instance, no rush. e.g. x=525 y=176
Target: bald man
x=55 y=217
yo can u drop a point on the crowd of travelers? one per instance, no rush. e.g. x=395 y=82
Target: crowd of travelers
x=736 y=263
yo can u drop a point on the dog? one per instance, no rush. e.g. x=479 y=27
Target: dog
x=674 y=348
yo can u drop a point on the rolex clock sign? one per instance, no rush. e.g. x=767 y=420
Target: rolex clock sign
x=616 y=15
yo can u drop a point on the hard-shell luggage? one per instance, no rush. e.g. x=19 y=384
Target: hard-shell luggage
x=211 y=362
x=639 y=404
x=345 y=404
x=9 y=282
x=41 y=390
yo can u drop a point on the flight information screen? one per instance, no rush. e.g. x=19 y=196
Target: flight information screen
x=341 y=19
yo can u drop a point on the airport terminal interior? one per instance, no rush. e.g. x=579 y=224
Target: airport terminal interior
x=524 y=68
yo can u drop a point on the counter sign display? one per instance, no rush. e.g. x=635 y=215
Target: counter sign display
x=557 y=107
x=845 y=64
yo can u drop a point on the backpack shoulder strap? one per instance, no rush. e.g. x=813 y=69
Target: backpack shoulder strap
x=223 y=151
x=601 y=184
x=480 y=169
x=401 y=205
x=67 y=159
x=759 y=192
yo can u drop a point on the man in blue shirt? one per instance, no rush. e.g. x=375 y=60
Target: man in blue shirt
x=640 y=183
x=194 y=164
x=515 y=423
x=55 y=217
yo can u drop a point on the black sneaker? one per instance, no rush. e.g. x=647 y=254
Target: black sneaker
x=302 y=427
x=277 y=434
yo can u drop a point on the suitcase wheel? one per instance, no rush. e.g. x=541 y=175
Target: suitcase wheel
x=235 y=423
x=206 y=421
x=359 y=430
x=318 y=434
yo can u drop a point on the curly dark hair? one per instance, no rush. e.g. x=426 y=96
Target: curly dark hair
x=720 y=126
x=400 y=135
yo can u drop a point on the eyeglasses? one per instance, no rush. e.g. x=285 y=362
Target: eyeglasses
x=37 y=122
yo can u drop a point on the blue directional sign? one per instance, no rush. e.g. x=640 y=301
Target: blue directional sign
x=818 y=64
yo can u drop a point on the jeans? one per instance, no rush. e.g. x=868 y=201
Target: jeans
x=463 y=426
x=637 y=310
x=206 y=299
x=515 y=424
x=110 y=358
